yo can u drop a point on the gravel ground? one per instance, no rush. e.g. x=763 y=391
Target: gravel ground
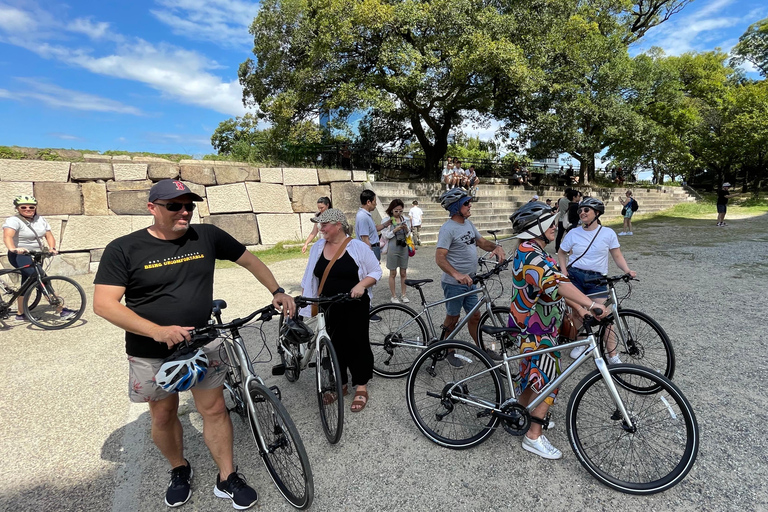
x=71 y=440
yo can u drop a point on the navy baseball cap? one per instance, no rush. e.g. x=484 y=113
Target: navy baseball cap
x=170 y=189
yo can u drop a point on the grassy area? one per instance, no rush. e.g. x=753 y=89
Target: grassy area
x=277 y=253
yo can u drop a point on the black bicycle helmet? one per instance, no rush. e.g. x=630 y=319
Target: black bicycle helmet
x=594 y=203
x=451 y=196
x=532 y=220
x=295 y=331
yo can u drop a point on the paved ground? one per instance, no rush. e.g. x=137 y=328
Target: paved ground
x=71 y=440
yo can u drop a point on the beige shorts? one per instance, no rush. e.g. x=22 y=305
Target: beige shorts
x=142 y=370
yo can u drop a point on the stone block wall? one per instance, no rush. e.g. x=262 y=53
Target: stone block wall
x=88 y=204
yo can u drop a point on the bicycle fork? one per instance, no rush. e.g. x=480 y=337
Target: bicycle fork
x=602 y=367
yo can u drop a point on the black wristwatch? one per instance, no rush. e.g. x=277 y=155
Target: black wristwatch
x=279 y=290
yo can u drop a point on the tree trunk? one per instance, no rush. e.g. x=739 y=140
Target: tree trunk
x=586 y=167
x=433 y=152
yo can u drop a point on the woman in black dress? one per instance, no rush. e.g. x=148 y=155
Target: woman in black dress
x=354 y=272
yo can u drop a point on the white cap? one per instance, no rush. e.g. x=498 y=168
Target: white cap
x=726 y=184
x=535 y=196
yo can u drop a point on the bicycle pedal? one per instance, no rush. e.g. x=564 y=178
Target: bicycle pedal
x=276 y=391
x=278 y=369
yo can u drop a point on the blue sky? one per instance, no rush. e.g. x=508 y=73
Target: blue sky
x=159 y=75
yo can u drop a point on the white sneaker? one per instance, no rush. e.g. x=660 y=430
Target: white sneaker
x=541 y=447
x=621 y=234
x=576 y=352
x=614 y=359
x=394 y=300
x=629 y=233
x=404 y=299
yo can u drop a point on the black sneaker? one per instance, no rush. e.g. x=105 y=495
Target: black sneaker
x=374 y=318
x=180 y=487
x=234 y=488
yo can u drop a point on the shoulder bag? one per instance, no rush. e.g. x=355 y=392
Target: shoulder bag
x=316 y=307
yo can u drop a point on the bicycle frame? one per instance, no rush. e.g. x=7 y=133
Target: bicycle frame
x=555 y=384
x=26 y=284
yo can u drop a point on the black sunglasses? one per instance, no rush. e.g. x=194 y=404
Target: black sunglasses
x=176 y=207
x=584 y=209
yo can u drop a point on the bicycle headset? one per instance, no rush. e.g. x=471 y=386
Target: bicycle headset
x=532 y=220
x=24 y=200
x=183 y=371
x=596 y=204
x=295 y=331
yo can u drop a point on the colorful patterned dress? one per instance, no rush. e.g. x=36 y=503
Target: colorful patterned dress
x=537 y=310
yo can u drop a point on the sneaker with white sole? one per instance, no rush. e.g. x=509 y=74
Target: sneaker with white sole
x=541 y=447
x=404 y=299
x=180 y=487
x=234 y=488
x=394 y=300
x=629 y=233
x=577 y=351
x=621 y=234
x=454 y=361
x=614 y=359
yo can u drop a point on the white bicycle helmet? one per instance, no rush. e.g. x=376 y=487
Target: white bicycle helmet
x=532 y=220
x=182 y=372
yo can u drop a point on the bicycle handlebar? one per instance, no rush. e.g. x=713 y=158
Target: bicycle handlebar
x=305 y=301
x=605 y=280
x=501 y=266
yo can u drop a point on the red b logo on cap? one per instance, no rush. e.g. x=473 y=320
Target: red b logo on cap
x=179 y=185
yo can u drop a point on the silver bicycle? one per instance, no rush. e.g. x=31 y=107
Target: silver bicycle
x=401 y=334
x=629 y=426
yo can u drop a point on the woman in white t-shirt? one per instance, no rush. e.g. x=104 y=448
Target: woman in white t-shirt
x=25 y=232
x=584 y=254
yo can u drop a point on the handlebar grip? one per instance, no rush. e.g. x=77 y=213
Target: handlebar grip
x=598 y=311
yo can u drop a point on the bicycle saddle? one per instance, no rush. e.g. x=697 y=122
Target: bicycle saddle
x=493 y=330
x=417 y=282
x=493 y=231
x=218 y=305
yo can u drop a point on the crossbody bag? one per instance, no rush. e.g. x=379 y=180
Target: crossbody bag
x=316 y=307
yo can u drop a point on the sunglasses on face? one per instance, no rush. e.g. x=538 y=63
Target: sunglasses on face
x=584 y=210
x=176 y=207
x=27 y=207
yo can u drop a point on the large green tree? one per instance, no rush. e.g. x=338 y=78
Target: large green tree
x=753 y=47
x=430 y=65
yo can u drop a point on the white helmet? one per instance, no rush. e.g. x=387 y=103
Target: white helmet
x=183 y=371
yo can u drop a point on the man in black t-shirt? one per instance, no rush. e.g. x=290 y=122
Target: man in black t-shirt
x=165 y=273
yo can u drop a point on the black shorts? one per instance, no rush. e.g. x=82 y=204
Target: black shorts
x=721 y=208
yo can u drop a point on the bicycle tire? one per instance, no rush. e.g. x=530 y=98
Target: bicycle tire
x=613 y=454
x=57 y=292
x=648 y=344
x=290 y=361
x=429 y=395
x=282 y=451
x=396 y=340
x=329 y=389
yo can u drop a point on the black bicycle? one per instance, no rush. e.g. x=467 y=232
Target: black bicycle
x=49 y=302
x=276 y=436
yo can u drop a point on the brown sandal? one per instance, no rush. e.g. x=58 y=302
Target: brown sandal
x=330 y=398
x=360 y=401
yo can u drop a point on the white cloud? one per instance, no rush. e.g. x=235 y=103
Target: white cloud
x=178 y=74
x=58 y=97
x=65 y=136
x=224 y=22
x=15 y=20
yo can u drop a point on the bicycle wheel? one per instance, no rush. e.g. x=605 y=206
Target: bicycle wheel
x=61 y=305
x=329 y=396
x=291 y=362
x=396 y=340
x=646 y=343
x=453 y=405
x=280 y=447
x=652 y=457
x=490 y=343
x=493 y=284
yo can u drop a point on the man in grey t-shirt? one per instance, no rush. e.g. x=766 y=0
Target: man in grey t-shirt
x=456 y=256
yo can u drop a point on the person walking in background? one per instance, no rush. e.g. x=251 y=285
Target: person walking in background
x=415 y=214
x=397 y=249
x=562 y=211
x=322 y=204
x=722 y=204
x=627 y=211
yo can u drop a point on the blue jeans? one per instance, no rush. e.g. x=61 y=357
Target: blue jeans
x=579 y=277
x=453 y=307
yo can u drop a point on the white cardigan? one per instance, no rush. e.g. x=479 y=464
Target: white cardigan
x=368 y=266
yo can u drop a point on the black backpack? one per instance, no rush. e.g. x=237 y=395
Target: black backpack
x=634 y=206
